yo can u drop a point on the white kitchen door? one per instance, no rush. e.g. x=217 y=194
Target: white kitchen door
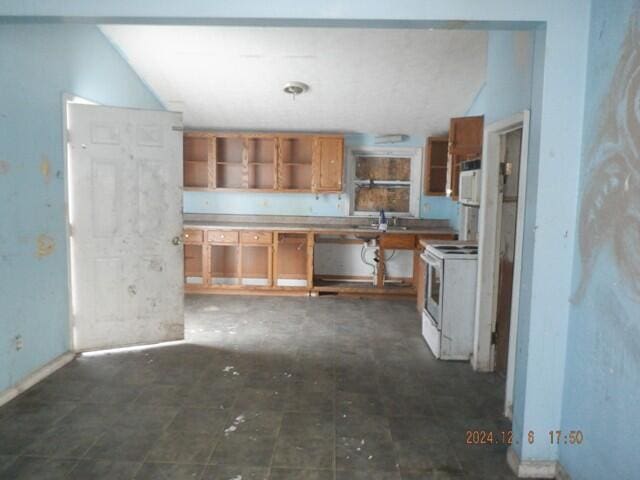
x=125 y=216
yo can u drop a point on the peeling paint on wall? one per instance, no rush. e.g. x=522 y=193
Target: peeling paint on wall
x=45 y=246
x=45 y=168
x=610 y=208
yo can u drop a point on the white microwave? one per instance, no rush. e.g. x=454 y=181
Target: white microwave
x=470 y=183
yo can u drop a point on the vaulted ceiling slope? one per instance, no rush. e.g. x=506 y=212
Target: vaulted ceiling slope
x=361 y=80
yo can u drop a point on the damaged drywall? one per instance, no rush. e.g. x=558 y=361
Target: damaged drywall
x=610 y=207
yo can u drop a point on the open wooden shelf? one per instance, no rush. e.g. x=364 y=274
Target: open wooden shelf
x=261 y=176
x=261 y=150
x=196 y=162
x=295 y=176
x=193 y=266
x=257 y=162
x=223 y=265
x=292 y=260
x=229 y=175
x=255 y=269
x=229 y=149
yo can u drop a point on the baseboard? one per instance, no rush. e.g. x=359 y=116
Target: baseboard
x=561 y=473
x=40 y=374
x=531 y=468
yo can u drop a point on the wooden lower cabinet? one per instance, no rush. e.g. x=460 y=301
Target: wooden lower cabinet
x=293 y=260
x=262 y=262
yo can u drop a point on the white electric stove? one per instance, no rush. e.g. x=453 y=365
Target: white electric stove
x=450 y=293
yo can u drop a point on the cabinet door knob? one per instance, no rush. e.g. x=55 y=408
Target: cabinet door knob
x=255 y=237
x=186 y=235
x=222 y=235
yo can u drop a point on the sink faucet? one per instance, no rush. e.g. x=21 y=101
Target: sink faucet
x=382 y=221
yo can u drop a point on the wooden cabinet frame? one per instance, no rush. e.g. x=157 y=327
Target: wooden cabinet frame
x=435 y=164
x=324 y=163
x=465 y=143
x=309 y=241
x=210 y=238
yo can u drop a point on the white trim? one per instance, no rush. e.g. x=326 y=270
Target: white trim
x=517 y=268
x=68 y=98
x=531 y=468
x=35 y=377
x=415 y=185
x=488 y=254
x=133 y=348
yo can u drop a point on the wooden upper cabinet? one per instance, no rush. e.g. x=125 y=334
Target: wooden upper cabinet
x=435 y=170
x=295 y=161
x=262 y=162
x=328 y=160
x=465 y=143
x=198 y=162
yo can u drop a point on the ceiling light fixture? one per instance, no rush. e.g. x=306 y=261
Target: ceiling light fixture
x=295 y=88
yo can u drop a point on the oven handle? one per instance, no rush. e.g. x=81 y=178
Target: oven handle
x=430 y=259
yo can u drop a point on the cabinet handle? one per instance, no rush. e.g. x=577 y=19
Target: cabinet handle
x=222 y=235
x=186 y=235
x=255 y=237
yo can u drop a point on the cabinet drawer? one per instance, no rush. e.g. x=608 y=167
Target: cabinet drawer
x=222 y=236
x=193 y=236
x=402 y=242
x=256 y=237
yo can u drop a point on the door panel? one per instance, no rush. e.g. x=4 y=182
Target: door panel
x=511 y=152
x=465 y=143
x=125 y=204
x=104 y=202
x=329 y=159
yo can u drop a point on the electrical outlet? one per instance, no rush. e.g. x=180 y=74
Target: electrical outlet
x=19 y=343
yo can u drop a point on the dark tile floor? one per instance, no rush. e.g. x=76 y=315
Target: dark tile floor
x=265 y=388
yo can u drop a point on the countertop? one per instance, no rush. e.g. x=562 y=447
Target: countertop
x=311 y=224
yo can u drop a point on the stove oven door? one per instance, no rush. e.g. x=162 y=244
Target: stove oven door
x=433 y=297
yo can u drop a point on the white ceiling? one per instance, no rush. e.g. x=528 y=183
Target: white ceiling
x=362 y=80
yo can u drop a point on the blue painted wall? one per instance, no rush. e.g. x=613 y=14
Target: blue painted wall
x=310 y=204
x=602 y=379
x=515 y=80
x=38 y=63
x=507 y=89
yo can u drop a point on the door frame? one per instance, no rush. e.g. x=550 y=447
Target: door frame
x=488 y=259
x=68 y=98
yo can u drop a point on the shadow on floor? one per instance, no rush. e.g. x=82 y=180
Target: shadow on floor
x=263 y=388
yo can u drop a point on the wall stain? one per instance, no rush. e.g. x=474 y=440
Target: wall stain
x=4 y=167
x=45 y=245
x=610 y=204
x=45 y=168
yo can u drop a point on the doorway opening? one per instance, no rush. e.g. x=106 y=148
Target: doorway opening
x=499 y=269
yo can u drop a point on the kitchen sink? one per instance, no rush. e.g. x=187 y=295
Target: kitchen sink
x=374 y=228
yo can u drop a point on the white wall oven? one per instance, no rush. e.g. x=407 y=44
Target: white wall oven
x=449 y=300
